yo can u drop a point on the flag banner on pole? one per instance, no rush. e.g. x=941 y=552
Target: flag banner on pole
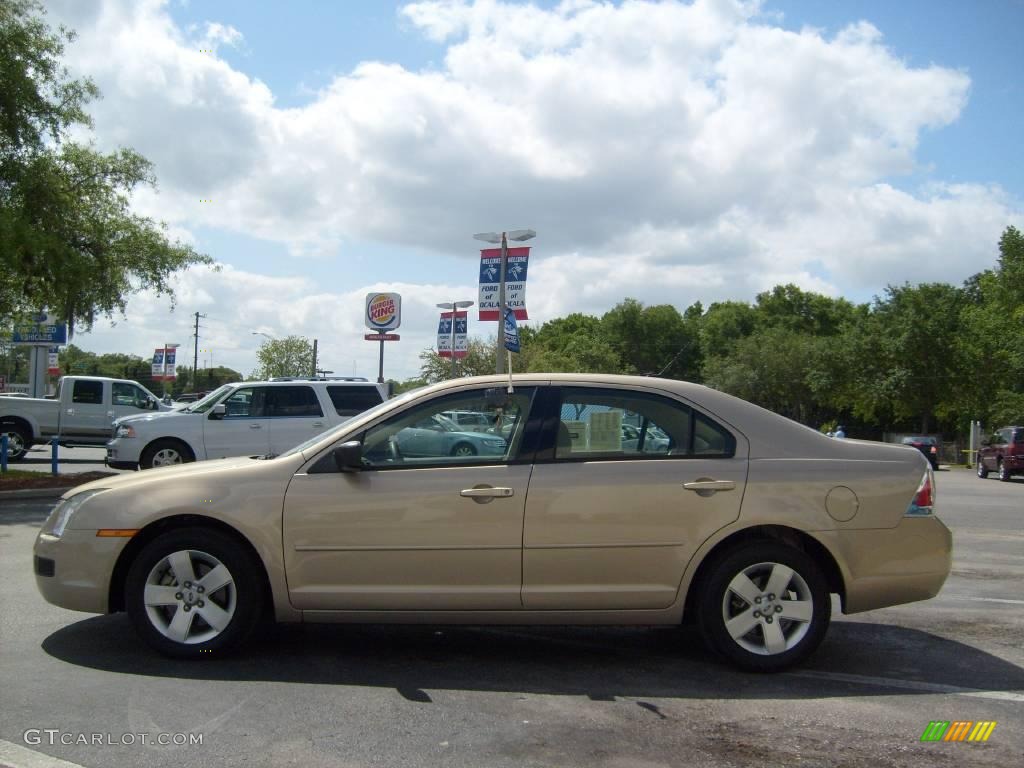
x=52 y=367
x=515 y=282
x=444 y=334
x=511 y=331
x=158 y=365
x=169 y=372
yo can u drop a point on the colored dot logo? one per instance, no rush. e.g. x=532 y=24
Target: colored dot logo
x=205 y=200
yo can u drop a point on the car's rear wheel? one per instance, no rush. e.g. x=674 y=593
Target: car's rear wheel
x=165 y=453
x=1004 y=471
x=982 y=471
x=764 y=606
x=463 y=449
x=194 y=592
x=18 y=441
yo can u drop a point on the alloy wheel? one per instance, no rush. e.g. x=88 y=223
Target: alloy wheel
x=767 y=608
x=190 y=596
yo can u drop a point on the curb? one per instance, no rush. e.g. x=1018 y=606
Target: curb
x=35 y=493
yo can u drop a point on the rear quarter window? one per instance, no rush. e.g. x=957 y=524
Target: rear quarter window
x=87 y=392
x=351 y=401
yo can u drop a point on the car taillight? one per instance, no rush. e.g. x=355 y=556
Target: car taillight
x=924 y=498
x=935 y=449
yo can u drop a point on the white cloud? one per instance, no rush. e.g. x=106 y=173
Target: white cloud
x=667 y=151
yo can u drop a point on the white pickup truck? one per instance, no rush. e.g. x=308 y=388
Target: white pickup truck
x=81 y=413
x=253 y=418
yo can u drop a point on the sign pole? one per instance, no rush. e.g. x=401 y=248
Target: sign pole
x=452 y=347
x=499 y=359
x=380 y=369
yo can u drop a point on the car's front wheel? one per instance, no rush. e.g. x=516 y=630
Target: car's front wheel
x=165 y=453
x=1004 y=471
x=982 y=471
x=193 y=593
x=764 y=606
x=463 y=449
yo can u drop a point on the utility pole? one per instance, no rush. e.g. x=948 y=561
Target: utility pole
x=195 y=356
x=314 y=358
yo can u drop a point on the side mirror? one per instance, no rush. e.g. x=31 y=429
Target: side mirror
x=348 y=457
x=151 y=403
x=218 y=411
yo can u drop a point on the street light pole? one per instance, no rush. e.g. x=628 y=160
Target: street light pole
x=520 y=235
x=454 y=306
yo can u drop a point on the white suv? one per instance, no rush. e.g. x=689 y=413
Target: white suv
x=254 y=418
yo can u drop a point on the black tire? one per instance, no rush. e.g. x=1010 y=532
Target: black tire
x=463 y=449
x=241 y=600
x=982 y=472
x=1004 y=471
x=757 y=560
x=157 y=453
x=19 y=440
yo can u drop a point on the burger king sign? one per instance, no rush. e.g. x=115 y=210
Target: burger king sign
x=383 y=311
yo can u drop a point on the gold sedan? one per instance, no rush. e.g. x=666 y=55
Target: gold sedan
x=588 y=500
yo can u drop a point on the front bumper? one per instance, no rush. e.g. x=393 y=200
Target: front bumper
x=123 y=453
x=892 y=566
x=82 y=564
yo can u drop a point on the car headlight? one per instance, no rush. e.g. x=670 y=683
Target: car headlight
x=62 y=514
x=123 y=430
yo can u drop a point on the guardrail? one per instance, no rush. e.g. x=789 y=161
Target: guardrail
x=5 y=448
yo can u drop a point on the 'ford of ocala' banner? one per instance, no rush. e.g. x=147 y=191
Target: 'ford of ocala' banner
x=383 y=311
x=515 y=282
x=444 y=335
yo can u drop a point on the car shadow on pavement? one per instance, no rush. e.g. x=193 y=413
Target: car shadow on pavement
x=599 y=662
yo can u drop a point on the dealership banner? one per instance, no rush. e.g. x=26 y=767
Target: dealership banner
x=52 y=366
x=515 y=282
x=164 y=364
x=158 y=365
x=169 y=373
x=444 y=334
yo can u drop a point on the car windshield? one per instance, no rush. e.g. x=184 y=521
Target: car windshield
x=925 y=440
x=208 y=402
x=332 y=432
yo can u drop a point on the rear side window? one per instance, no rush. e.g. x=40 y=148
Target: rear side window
x=292 y=402
x=1018 y=435
x=87 y=392
x=350 y=401
x=598 y=423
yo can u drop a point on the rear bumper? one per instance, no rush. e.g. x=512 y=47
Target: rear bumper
x=891 y=566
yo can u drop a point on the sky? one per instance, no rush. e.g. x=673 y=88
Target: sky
x=671 y=152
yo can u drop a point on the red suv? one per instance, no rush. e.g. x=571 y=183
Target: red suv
x=1003 y=453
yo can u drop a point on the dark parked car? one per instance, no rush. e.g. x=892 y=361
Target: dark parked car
x=929 y=446
x=1002 y=453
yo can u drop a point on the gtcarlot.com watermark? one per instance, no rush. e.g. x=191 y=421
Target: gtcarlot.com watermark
x=35 y=737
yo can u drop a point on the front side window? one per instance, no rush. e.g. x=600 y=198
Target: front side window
x=245 y=403
x=425 y=436
x=87 y=392
x=606 y=423
x=292 y=402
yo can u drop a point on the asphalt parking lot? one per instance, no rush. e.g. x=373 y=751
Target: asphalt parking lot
x=516 y=696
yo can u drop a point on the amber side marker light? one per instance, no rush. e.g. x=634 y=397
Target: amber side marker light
x=117 y=533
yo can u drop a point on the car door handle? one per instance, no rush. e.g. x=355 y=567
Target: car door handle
x=486 y=493
x=255 y=426
x=709 y=485
x=317 y=424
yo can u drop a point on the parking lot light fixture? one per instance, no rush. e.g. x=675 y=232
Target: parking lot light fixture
x=519 y=235
x=455 y=306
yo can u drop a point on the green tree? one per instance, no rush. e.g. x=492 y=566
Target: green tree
x=654 y=340
x=479 y=361
x=68 y=240
x=291 y=356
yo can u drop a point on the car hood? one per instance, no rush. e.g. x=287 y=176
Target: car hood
x=143 y=417
x=160 y=474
